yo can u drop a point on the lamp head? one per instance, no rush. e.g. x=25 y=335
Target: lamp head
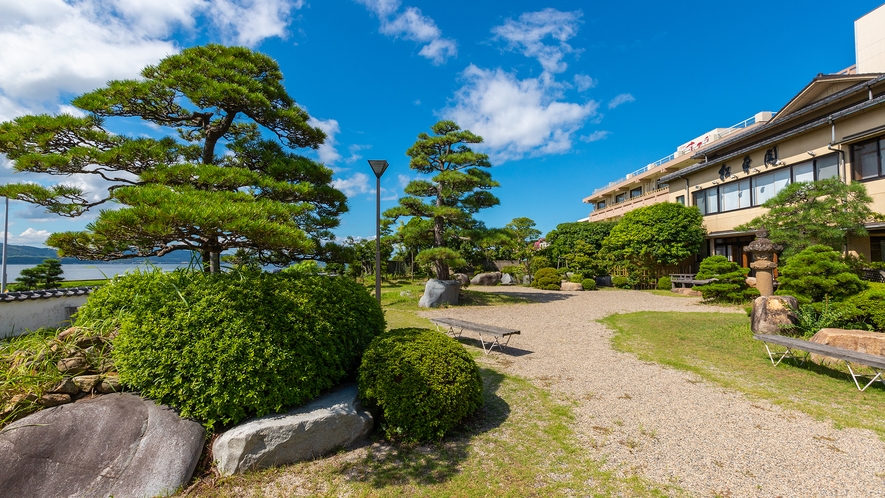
x=379 y=166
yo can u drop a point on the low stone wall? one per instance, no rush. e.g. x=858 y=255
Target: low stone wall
x=21 y=312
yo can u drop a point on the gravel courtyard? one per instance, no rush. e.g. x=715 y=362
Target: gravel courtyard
x=669 y=425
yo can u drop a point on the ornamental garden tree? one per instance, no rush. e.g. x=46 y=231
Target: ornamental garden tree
x=224 y=177
x=809 y=213
x=660 y=234
x=578 y=245
x=459 y=189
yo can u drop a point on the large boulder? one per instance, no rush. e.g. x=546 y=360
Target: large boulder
x=330 y=422
x=507 y=279
x=462 y=279
x=114 y=445
x=491 y=278
x=773 y=314
x=571 y=286
x=856 y=340
x=439 y=292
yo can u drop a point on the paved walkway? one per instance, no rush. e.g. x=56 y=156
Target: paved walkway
x=669 y=425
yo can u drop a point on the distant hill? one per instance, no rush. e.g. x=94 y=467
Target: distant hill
x=27 y=255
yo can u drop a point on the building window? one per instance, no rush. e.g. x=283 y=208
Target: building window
x=803 y=172
x=636 y=192
x=680 y=200
x=735 y=195
x=827 y=167
x=600 y=205
x=866 y=159
x=768 y=185
x=620 y=197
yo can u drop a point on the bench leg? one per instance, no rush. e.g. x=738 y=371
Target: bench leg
x=493 y=343
x=854 y=377
x=784 y=354
x=451 y=331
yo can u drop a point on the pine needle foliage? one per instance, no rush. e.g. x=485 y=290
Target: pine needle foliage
x=816 y=273
x=223 y=178
x=458 y=189
x=730 y=285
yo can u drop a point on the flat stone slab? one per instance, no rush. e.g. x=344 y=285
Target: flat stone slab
x=330 y=422
x=117 y=445
x=861 y=341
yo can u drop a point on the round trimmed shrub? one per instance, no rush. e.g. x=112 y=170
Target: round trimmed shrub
x=424 y=382
x=665 y=283
x=589 y=283
x=223 y=347
x=548 y=279
x=621 y=282
x=731 y=286
x=816 y=273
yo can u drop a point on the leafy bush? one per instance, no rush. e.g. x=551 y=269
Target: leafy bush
x=818 y=272
x=424 y=382
x=731 y=284
x=539 y=262
x=865 y=310
x=576 y=278
x=665 y=283
x=810 y=319
x=589 y=284
x=547 y=278
x=621 y=282
x=222 y=347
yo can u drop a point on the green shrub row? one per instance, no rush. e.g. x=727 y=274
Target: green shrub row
x=223 y=347
x=548 y=279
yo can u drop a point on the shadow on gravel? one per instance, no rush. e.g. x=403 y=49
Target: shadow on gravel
x=392 y=464
x=508 y=351
x=538 y=297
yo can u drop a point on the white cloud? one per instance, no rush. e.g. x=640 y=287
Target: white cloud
x=28 y=237
x=516 y=118
x=355 y=185
x=354 y=151
x=620 y=99
x=328 y=153
x=596 y=135
x=412 y=25
x=52 y=48
x=248 y=22
x=529 y=33
x=584 y=82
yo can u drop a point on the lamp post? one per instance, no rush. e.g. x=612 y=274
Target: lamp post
x=5 y=239
x=378 y=167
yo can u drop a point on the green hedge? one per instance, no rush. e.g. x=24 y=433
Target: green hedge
x=424 y=382
x=589 y=283
x=731 y=284
x=223 y=347
x=665 y=283
x=547 y=278
x=818 y=273
x=865 y=310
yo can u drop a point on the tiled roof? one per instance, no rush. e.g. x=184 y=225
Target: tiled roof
x=11 y=297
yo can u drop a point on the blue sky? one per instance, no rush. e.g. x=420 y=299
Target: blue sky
x=568 y=95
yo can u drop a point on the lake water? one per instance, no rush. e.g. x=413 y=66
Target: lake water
x=91 y=272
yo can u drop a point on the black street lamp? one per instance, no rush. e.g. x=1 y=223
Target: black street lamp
x=378 y=167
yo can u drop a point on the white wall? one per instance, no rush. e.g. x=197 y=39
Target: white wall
x=19 y=317
x=869 y=42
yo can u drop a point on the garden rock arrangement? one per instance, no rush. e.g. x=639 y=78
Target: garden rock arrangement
x=856 y=340
x=333 y=421
x=439 y=292
x=489 y=279
x=773 y=314
x=116 y=445
x=572 y=286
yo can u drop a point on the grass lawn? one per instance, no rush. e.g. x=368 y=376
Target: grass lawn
x=720 y=348
x=519 y=444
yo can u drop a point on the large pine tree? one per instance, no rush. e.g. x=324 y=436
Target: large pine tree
x=449 y=199
x=224 y=178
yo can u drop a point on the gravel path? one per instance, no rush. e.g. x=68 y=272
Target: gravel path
x=669 y=425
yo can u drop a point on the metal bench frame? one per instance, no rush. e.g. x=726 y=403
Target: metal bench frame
x=496 y=333
x=875 y=362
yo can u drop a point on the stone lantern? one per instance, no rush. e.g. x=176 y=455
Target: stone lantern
x=771 y=314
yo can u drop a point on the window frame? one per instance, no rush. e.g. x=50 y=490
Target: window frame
x=877 y=141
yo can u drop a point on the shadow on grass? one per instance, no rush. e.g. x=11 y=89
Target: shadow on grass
x=864 y=373
x=392 y=464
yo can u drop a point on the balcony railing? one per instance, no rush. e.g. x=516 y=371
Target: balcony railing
x=633 y=200
x=660 y=162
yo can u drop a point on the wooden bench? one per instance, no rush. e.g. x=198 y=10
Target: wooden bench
x=876 y=362
x=683 y=279
x=496 y=334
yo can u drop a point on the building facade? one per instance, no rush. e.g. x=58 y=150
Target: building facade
x=833 y=128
